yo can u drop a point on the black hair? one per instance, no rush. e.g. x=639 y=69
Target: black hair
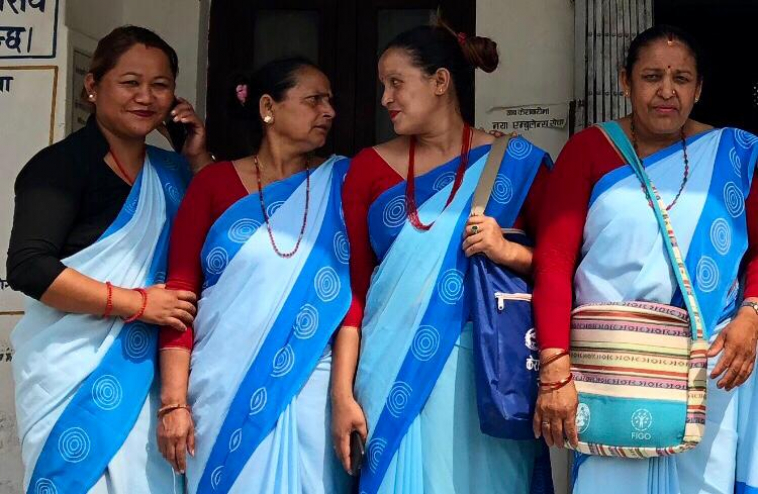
x=664 y=32
x=274 y=78
x=113 y=45
x=434 y=47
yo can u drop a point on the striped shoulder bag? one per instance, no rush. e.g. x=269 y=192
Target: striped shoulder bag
x=640 y=367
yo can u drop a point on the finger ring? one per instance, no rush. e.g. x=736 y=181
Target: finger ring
x=545 y=424
x=475 y=229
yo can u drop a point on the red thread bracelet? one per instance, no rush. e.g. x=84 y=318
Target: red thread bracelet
x=108 y=300
x=556 y=385
x=141 y=312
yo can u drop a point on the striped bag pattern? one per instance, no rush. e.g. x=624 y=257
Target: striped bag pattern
x=639 y=371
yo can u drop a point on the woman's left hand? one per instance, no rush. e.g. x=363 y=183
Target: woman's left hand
x=738 y=342
x=483 y=235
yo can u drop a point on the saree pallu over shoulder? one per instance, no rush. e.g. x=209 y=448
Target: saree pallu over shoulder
x=269 y=320
x=416 y=307
x=711 y=229
x=82 y=382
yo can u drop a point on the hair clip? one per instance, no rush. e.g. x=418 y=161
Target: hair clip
x=242 y=93
x=462 y=38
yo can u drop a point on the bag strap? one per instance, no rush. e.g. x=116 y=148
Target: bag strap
x=489 y=174
x=617 y=138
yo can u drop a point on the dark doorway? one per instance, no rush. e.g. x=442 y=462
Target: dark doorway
x=343 y=36
x=726 y=32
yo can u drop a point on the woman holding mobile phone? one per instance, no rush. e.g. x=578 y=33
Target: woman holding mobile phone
x=89 y=247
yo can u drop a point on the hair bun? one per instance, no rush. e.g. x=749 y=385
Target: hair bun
x=481 y=53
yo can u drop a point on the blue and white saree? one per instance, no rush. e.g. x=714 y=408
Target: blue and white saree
x=85 y=393
x=711 y=230
x=415 y=377
x=262 y=356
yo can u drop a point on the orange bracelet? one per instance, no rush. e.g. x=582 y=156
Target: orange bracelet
x=140 y=312
x=108 y=300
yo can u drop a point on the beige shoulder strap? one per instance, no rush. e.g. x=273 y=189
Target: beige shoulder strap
x=489 y=174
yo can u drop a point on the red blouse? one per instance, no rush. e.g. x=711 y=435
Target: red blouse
x=585 y=159
x=370 y=176
x=210 y=193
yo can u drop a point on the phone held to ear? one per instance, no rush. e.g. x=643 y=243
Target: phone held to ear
x=177 y=131
x=357 y=452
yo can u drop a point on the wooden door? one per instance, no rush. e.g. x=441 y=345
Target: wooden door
x=343 y=36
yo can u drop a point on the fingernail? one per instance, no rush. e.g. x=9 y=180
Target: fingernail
x=173 y=112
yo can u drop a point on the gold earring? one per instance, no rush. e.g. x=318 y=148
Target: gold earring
x=268 y=119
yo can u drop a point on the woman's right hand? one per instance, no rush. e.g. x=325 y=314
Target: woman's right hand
x=347 y=416
x=555 y=413
x=176 y=438
x=173 y=308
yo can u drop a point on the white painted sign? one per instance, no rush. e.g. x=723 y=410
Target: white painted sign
x=28 y=100
x=28 y=28
x=527 y=117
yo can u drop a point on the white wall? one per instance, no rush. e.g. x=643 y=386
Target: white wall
x=33 y=113
x=536 y=45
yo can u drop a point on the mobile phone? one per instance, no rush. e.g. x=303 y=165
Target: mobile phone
x=357 y=452
x=177 y=131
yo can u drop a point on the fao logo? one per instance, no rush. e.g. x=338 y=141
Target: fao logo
x=582 y=417
x=530 y=340
x=642 y=420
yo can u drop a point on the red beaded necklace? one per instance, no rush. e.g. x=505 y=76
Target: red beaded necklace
x=128 y=179
x=265 y=213
x=410 y=182
x=686 y=173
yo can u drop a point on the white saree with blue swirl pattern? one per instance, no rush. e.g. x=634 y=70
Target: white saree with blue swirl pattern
x=415 y=379
x=86 y=397
x=262 y=356
x=711 y=229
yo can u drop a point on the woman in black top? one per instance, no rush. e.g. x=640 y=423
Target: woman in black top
x=90 y=230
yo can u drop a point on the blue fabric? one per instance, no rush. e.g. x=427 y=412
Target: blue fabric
x=103 y=408
x=506 y=355
x=417 y=308
x=269 y=319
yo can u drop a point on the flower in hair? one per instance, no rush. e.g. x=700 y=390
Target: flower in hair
x=242 y=93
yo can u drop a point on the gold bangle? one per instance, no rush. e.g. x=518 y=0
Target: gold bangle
x=170 y=408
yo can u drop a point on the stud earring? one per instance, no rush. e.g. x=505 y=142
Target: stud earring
x=91 y=96
x=268 y=119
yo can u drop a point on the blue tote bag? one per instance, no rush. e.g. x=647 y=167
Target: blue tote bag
x=506 y=359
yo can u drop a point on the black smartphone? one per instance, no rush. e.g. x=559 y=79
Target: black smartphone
x=177 y=131
x=357 y=452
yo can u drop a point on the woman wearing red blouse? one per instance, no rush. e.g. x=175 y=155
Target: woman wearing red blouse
x=407 y=204
x=262 y=241
x=599 y=242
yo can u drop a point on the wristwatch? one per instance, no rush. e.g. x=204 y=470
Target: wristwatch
x=751 y=304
